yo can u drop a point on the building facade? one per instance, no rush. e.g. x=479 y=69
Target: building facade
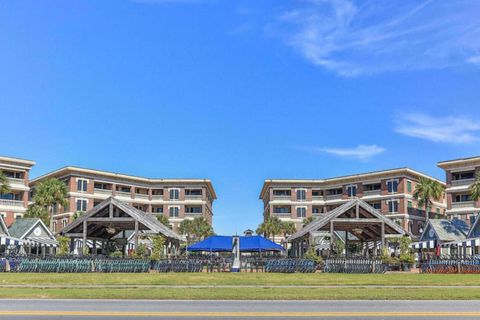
x=177 y=199
x=460 y=175
x=14 y=203
x=390 y=191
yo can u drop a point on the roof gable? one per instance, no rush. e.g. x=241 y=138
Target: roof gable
x=345 y=211
x=121 y=209
x=3 y=227
x=445 y=230
x=22 y=228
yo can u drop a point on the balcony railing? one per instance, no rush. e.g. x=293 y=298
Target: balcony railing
x=333 y=197
x=142 y=196
x=193 y=197
x=462 y=182
x=123 y=194
x=16 y=181
x=157 y=197
x=281 y=213
x=11 y=203
x=372 y=192
x=106 y=192
x=463 y=204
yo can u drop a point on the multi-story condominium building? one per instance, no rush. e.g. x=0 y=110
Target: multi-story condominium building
x=14 y=203
x=177 y=199
x=460 y=175
x=390 y=191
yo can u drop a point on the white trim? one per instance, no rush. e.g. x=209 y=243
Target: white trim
x=392 y=180
x=76 y=204
x=170 y=195
x=391 y=201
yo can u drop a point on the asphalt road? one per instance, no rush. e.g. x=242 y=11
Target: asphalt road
x=178 y=309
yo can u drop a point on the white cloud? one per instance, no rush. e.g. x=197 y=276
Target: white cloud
x=353 y=38
x=439 y=129
x=360 y=152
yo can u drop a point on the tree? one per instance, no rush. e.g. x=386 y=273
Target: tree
x=476 y=187
x=4 y=186
x=163 y=220
x=63 y=246
x=77 y=214
x=196 y=229
x=288 y=228
x=425 y=192
x=51 y=194
x=307 y=221
x=158 y=242
x=272 y=226
x=36 y=211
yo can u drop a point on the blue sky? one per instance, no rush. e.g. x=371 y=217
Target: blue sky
x=240 y=91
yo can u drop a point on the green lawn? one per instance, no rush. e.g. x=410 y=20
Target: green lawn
x=246 y=294
x=261 y=279
x=257 y=279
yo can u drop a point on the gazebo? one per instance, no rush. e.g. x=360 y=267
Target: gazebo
x=111 y=220
x=356 y=219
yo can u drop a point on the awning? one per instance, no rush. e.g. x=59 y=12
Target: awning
x=42 y=242
x=6 y=240
x=431 y=244
x=225 y=244
x=472 y=242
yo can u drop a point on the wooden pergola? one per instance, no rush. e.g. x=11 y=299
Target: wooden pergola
x=111 y=219
x=357 y=219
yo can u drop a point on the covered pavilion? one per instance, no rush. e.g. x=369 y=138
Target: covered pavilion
x=111 y=221
x=359 y=222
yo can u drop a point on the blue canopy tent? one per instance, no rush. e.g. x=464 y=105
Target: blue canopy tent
x=224 y=244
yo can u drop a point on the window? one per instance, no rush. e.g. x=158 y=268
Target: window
x=392 y=186
x=316 y=210
x=81 y=205
x=332 y=192
x=463 y=175
x=372 y=187
x=409 y=186
x=173 y=212
x=376 y=205
x=392 y=206
x=352 y=191
x=281 y=193
x=301 y=212
x=193 y=192
x=174 y=194
x=82 y=185
x=281 y=209
x=409 y=204
x=157 y=192
x=64 y=223
x=197 y=209
x=157 y=209
x=301 y=194
x=462 y=198
x=123 y=189
x=54 y=226
x=317 y=193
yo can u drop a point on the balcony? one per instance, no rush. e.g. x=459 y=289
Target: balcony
x=463 y=204
x=157 y=197
x=122 y=194
x=333 y=197
x=105 y=192
x=372 y=192
x=462 y=182
x=16 y=181
x=11 y=203
x=141 y=196
x=193 y=197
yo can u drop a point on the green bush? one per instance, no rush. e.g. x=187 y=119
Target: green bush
x=63 y=246
x=311 y=254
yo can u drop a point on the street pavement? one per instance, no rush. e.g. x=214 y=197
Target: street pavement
x=188 y=309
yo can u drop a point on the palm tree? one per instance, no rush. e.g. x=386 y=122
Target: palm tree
x=476 y=188
x=426 y=191
x=36 y=211
x=51 y=194
x=270 y=227
x=4 y=187
x=288 y=228
x=163 y=220
x=307 y=221
x=196 y=229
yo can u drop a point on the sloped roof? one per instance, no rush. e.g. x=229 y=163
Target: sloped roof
x=322 y=221
x=447 y=230
x=21 y=227
x=3 y=227
x=475 y=228
x=149 y=221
